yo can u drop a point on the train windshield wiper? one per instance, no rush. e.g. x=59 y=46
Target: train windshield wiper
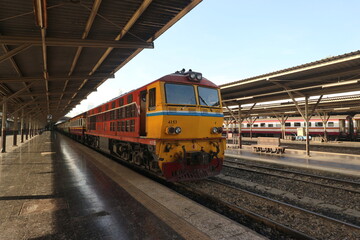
x=203 y=101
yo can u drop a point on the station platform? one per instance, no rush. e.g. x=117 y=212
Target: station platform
x=52 y=187
x=333 y=162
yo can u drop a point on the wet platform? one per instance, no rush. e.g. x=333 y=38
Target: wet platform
x=52 y=187
x=332 y=162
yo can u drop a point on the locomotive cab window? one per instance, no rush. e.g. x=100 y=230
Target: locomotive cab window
x=152 y=99
x=331 y=124
x=180 y=94
x=208 y=97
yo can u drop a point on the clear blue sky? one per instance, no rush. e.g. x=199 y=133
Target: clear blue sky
x=230 y=40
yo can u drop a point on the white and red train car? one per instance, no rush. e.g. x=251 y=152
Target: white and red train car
x=356 y=123
x=337 y=127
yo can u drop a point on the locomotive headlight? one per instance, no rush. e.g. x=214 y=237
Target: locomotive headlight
x=170 y=130
x=220 y=129
x=192 y=76
x=214 y=130
x=178 y=130
x=198 y=76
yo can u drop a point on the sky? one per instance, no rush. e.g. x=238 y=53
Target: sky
x=230 y=40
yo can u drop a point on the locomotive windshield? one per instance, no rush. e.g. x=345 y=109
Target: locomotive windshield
x=180 y=94
x=208 y=97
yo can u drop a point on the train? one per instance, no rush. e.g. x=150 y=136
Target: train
x=171 y=127
x=337 y=127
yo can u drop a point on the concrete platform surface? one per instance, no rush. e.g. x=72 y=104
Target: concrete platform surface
x=52 y=187
x=327 y=161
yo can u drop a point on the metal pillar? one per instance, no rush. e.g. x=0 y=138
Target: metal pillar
x=307 y=125
x=22 y=126
x=15 y=129
x=30 y=127
x=239 y=121
x=27 y=128
x=3 y=126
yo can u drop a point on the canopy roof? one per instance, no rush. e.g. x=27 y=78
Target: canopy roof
x=331 y=75
x=53 y=54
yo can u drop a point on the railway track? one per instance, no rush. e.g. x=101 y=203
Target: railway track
x=270 y=217
x=324 y=181
x=279 y=219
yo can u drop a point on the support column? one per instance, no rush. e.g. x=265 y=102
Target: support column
x=282 y=119
x=15 y=129
x=34 y=128
x=3 y=126
x=27 y=128
x=251 y=120
x=239 y=121
x=324 y=118
x=307 y=125
x=30 y=127
x=22 y=126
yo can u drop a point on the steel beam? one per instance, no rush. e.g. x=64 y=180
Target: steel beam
x=145 y=4
x=13 y=52
x=69 y=42
x=44 y=94
x=88 y=26
x=16 y=94
x=53 y=78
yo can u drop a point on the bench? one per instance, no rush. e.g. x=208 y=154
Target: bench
x=269 y=145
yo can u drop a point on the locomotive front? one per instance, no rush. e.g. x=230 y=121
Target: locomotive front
x=187 y=110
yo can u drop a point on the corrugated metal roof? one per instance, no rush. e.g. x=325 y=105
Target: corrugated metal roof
x=74 y=61
x=315 y=65
x=331 y=75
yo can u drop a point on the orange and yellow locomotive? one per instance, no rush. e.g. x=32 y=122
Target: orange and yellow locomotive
x=171 y=126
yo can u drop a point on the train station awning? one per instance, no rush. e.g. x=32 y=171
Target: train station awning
x=53 y=54
x=337 y=74
x=334 y=75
